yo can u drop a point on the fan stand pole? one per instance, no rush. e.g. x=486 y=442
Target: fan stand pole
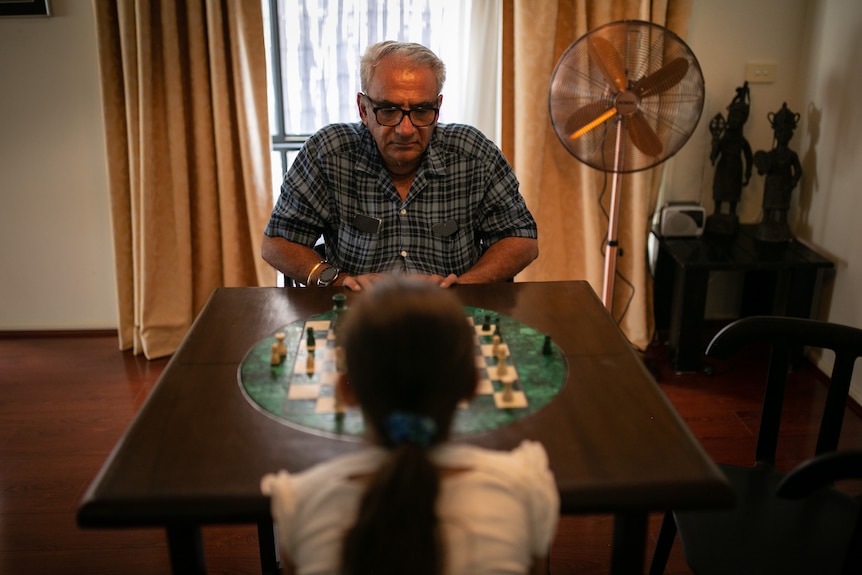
x=613 y=220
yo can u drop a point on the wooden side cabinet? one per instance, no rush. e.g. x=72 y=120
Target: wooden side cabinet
x=779 y=279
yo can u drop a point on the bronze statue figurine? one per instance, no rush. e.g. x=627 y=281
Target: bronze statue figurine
x=783 y=171
x=733 y=170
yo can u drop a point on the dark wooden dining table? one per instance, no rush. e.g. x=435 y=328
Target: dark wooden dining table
x=196 y=450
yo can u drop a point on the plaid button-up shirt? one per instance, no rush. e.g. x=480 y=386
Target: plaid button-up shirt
x=463 y=199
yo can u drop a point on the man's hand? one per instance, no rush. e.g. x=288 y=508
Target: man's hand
x=358 y=283
x=448 y=281
x=441 y=281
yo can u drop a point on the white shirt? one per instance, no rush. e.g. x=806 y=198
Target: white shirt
x=495 y=518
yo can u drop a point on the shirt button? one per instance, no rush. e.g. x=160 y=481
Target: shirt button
x=403 y=212
x=403 y=254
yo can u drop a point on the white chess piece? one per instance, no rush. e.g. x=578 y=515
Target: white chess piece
x=507 y=391
x=502 y=368
x=282 y=349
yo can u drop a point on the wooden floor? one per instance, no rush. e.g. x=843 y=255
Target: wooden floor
x=64 y=403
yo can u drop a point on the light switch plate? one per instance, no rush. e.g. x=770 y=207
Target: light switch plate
x=760 y=72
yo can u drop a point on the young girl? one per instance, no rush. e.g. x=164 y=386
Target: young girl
x=414 y=502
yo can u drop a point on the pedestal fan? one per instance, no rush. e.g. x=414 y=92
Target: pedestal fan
x=625 y=97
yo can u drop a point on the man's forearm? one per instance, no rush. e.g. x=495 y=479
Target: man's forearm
x=293 y=260
x=502 y=261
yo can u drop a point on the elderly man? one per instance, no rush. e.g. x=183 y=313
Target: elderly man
x=399 y=193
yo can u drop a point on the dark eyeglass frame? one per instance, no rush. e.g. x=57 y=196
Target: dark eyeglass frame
x=376 y=108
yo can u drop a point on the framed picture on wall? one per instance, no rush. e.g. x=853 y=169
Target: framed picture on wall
x=25 y=8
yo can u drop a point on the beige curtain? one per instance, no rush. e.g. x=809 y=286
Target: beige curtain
x=184 y=94
x=565 y=195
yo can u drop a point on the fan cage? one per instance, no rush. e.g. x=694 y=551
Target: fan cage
x=578 y=85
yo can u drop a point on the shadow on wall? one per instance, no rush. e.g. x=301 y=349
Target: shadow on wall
x=810 y=183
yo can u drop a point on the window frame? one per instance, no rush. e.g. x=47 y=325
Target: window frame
x=282 y=142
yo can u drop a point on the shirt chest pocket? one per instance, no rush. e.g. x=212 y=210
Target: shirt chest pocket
x=454 y=246
x=358 y=250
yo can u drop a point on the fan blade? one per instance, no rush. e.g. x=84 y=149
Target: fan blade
x=662 y=79
x=597 y=122
x=643 y=136
x=609 y=62
x=588 y=117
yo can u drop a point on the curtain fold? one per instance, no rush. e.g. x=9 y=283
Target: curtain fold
x=482 y=81
x=569 y=199
x=184 y=98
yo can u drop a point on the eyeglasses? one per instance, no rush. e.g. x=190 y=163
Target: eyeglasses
x=393 y=115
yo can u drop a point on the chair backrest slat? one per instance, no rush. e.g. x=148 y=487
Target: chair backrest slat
x=785 y=335
x=773 y=404
x=836 y=400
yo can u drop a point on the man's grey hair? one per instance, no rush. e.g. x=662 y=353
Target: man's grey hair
x=413 y=53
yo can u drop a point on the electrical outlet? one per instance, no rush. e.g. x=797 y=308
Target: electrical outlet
x=760 y=72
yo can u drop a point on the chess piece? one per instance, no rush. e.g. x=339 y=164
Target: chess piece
x=495 y=345
x=282 y=349
x=275 y=358
x=502 y=368
x=339 y=308
x=507 y=391
x=339 y=302
x=309 y=363
x=309 y=339
x=546 y=347
x=486 y=325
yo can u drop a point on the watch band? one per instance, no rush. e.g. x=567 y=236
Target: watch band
x=314 y=269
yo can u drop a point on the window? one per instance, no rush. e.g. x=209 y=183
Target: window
x=315 y=46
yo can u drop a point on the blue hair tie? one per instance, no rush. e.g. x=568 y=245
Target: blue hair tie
x=404 y=427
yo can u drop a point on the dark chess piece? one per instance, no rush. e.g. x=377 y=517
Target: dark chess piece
x=546 y=346
x=339 y=308
x=783 y=171
x=733 y=170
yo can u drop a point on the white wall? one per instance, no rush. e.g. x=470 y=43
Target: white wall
x=56 y=252
x=828 y=211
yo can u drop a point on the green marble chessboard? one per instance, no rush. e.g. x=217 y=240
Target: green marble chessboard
x=300 y=389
